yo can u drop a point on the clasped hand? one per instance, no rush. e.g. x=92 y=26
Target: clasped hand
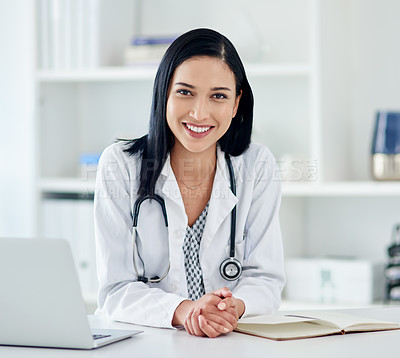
x=211 y=315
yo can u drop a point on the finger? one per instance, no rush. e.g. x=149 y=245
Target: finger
x=210 y=299
x=208 y=330
x=220 y=316
x=219 y=327
x=195 y=323
x=223 y=323
x=222 y=292
x=186 y=326
x=233 y=312
x=188 y=323
x=231 y=305
x=226 y=303
x=230 y=314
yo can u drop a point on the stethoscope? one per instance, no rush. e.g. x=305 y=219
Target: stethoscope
x=230 y=269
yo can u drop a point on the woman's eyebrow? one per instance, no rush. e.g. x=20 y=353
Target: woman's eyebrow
x=212 y=89
x=184 y=84
x=220 y=89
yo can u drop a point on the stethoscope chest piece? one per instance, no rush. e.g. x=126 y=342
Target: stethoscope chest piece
x=230 y=269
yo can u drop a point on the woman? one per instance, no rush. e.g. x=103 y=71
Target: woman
x=179 y=268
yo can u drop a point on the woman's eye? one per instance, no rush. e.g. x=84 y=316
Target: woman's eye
x=219 y=96
x=184 y=92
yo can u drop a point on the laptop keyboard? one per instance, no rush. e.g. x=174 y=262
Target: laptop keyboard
x=98 y=336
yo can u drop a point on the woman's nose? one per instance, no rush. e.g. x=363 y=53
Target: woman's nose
x=200 y=110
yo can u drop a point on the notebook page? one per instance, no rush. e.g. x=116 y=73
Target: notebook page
x=348 y=322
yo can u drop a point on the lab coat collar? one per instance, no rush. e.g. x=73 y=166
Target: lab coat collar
x=169 y=185
x=221 y=181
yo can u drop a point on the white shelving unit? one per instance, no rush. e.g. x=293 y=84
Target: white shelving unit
x=300 y=190
x=307 y=109
x=147 y=72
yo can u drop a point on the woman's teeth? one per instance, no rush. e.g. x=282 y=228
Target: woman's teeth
x=197 y=129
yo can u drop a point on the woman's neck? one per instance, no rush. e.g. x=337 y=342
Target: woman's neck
x=193 y=168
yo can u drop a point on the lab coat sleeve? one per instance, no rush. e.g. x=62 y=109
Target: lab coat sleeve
x=121 y=297
x=263 y=277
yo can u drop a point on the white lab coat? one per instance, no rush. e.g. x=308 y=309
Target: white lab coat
x=258 y=237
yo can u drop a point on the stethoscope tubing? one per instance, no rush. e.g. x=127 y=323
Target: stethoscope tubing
x=233 y=214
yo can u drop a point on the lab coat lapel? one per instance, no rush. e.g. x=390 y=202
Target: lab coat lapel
x=169 y=185
x=177 y=222
x=173 y=199
x=222 y=201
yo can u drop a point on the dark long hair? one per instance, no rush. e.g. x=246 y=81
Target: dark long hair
x=155 y=146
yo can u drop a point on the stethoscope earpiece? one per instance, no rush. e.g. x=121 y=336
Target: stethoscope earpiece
x=230 y=269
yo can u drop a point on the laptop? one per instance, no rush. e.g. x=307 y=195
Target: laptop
x=40 y=298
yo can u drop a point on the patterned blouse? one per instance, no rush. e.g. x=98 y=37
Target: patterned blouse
x=191 y=247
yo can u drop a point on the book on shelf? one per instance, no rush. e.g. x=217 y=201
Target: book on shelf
x=68 y=33
x=147 y=49
x=310 y=324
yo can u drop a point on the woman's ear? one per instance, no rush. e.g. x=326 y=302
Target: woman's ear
x=236 y=106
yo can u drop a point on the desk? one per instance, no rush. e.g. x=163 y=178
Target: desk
x=168 y=343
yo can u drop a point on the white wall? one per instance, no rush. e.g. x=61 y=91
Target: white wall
x=376 y=71
x=16 y=118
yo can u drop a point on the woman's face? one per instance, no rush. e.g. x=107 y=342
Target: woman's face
x=201 y=103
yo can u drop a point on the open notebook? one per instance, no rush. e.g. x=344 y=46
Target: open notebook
x=310 y=324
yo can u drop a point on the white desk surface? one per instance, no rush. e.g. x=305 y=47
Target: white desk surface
x=166 y=343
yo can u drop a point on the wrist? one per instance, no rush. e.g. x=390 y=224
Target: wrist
x=181 y=312
x=240 y=307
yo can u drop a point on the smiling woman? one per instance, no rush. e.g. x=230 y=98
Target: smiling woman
x=213 y=252
x=201 y=104
x=202 y=101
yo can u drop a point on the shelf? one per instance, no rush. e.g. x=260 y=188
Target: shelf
x=104 y=74
x=289 y=189
x=67 y=185
x=147 y=72
x=344 y=189
x=262 y=69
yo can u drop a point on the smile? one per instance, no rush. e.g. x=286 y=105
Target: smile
x=197 y=129
x=197 y=132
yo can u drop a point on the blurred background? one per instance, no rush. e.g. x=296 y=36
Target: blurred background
x=77 y=74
